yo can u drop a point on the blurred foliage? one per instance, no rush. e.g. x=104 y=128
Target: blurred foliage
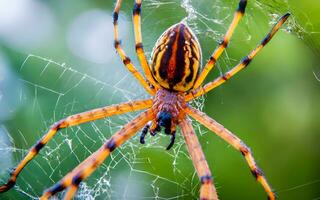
x=273 y=105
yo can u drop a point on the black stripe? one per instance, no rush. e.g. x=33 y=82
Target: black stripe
x=256 y=172
x=180 y=62
x=155 y=53
x=136 y=9
x=57 y=188
x=244 y=151
x=166 y=56
x=126 y=60
x=224 y=77
x=212 y=59
x=206 y=179
x=266 y=39
x=76 y=180
x=223 y=43
x=111 y=145
x=38 y=146
x=242 y=6
x=139 y=46
x=190 y=76
x=7 y=186
x=57 y=125
x=115 y=17
x=246 y=61
x=117 y=43
x=191 y=63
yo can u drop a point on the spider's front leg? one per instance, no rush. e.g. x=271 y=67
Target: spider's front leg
x=125 y=59
x=136 y=18
x=207 y=190
x=201 y=90
x=73 y=120
x=88 y=166
x=223 y=44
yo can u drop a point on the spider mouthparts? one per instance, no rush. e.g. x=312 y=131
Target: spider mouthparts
x=164 y=119
x=173 y=137
x=142 y=139
x=144 y=133
x=155 y=131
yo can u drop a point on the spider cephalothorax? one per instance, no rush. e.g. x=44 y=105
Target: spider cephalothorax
x=173 y=79
x=168 y=108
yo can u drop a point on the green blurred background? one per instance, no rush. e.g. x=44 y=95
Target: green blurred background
x=57 y=59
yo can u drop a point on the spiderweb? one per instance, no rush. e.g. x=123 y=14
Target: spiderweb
x=132 y=171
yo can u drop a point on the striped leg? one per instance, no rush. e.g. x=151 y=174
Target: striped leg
x=136 y=18
x=88 y=166
x=126 y=60
x=236 y=143
x=73 y=120
x=245 y=62
x=224 y=43
x=207 y=191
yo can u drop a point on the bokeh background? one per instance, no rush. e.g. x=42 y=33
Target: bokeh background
x=57 y=58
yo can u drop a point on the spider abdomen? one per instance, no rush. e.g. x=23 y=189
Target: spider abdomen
x=176 y=58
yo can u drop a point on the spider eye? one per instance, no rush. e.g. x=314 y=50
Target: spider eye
x=176 y=58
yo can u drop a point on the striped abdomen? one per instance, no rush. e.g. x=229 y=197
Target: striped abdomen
x=176 y=58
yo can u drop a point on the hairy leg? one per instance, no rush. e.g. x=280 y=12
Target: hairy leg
x=224 y=43
x=88 y=166
x=136 y=18
x=126 y=60
x=234 y=141
x=73 y=120
x=245 y=62
x=207 y=190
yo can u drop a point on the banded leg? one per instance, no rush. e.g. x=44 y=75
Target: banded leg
x=234 y=141
x=245 y=62
x=223 y=44
x=136 y=18
x=126 y=60
x=73 y=120
x=207 y=191
x=88 y=166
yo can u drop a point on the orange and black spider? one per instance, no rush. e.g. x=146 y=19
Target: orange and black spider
x=173 y=79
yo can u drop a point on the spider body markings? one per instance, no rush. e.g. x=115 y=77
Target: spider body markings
x=173 y=79
x=175 y=64
x=176 y=59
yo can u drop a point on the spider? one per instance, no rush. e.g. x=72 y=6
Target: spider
x=172 y=79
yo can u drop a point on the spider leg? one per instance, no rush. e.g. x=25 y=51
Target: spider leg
x=223 y=44
x=234 y=141
x=136 y=18
x=73 y=120
x=245 y=62
x=126 y=60
x=172 y=139
x=207 y=190
x=89 y=165
x=144 y=132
